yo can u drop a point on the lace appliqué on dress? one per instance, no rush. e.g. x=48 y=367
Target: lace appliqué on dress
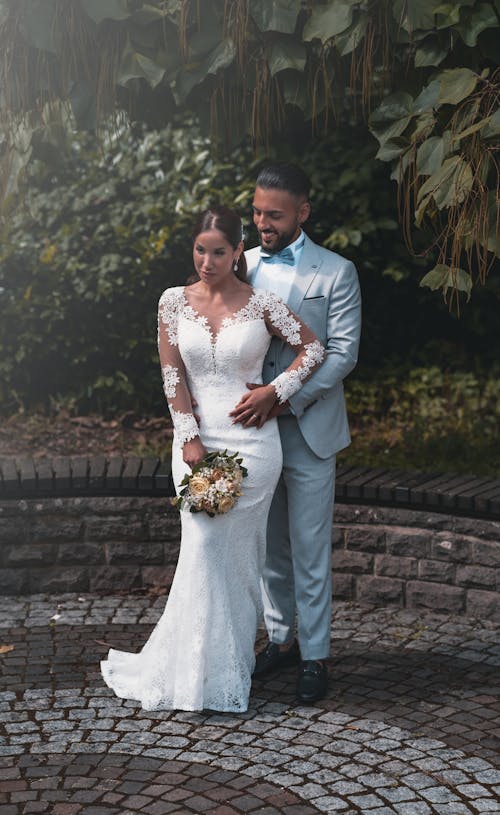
x=279 y=315
x=289 y=382
x=185 y=425
x=282 y=319
x=169 y=306
x=171 y=379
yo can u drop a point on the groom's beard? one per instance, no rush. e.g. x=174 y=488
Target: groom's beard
x=284 y=240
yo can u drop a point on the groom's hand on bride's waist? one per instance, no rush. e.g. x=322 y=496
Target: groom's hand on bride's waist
x=257 y=406
x=278 y=410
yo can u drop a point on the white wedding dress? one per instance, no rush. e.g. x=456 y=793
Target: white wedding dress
x=200 y=655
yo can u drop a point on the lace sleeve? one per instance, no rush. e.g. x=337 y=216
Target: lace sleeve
x=172 y=368
x=284 y=324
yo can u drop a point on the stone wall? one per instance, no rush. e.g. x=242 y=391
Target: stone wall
x=381 y=555
x=417 y=559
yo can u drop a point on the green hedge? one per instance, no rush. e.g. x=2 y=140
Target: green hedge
x=103 y=233
x=425 y=419
x=82 y=267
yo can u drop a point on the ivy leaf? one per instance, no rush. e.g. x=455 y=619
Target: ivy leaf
x=492 y=238
x=207 y=36
x=221 y=57
x=193 y=74
x=392 y=130
x=150 y=14
x=295 y=90
x=430 y=156
x=280 y=15
x=428 y=98
x=392 y=116
x=348 y=40
x=401 y=166
x=393 y=107
x=473 y=128
x=444 y=277
x=492 y=128
x=447 y=14
x=135 y=65
x=424 y=125
x=327 y=21
x=450 y=184
x=456 y=84
x=480 y=18
x=430 y=52
x=415 y=14
x=391 y=149
x=286 y=53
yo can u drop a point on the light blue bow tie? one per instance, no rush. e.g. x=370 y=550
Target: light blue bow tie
x=286 y=256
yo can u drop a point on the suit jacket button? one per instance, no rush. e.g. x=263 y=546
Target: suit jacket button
x=271 y=364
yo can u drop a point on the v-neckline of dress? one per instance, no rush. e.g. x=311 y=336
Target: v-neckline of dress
x=231 y=319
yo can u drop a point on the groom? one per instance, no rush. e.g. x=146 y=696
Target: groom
x=322 y=288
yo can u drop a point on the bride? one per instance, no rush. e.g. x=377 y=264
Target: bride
x=213 y=337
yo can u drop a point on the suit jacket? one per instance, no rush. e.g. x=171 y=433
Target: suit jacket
x=326 y=296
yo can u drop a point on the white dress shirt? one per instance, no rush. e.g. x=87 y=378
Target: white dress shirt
x=278 y=277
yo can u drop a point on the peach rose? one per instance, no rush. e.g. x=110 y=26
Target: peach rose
x=225 y=503
x=198 y=485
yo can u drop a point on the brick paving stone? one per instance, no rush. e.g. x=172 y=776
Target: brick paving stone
x=415 y=808
x=410 y=726
x=330 y=803
x=267 y=811
x=486 y=805
x=199 y=804
x=161 y=808
x=382 y=811
x=299 y=809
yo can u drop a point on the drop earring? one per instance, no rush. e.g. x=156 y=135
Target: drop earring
x=235 y=267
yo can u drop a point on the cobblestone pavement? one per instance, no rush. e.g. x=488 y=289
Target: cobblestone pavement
x=411 y=724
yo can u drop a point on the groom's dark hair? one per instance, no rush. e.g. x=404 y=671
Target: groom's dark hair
x=284 y=176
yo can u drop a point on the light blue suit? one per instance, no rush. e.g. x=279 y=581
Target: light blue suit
x=297 y=575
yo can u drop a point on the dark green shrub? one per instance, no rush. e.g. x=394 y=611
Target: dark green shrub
x=81 y=269
x=83 y=263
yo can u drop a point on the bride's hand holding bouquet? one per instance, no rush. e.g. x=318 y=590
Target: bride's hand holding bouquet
x=214 y=485
x=193 y=452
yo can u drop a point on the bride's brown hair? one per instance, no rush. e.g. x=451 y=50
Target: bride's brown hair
x=229 y=223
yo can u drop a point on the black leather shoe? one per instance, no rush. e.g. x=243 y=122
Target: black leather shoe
x=312 y=681
x=272 y=658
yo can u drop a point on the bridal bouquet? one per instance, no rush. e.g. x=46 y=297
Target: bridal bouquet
x=214 y=485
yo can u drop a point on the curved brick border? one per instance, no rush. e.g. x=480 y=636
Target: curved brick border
x=64 y=476
x=115 y=784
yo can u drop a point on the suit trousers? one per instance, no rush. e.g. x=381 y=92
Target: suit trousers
x=298 y=569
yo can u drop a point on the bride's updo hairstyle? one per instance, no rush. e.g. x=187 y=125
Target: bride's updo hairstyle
x=229 y=223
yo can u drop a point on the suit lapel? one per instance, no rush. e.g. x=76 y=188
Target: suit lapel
x=307 y=270
x=310 y=263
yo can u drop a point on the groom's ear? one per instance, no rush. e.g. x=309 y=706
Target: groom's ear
x=304 y=211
